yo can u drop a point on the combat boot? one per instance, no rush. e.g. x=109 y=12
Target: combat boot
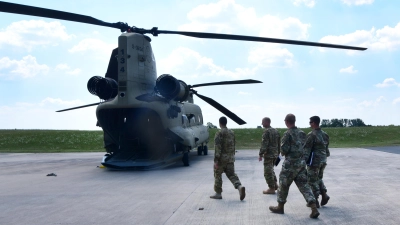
x=216 y=196
x=242 y=192
x=314 y=211
x=269 y=191
x=325 y=198
x=278 y=209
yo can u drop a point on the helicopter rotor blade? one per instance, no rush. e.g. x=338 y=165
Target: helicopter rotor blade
x=221 y=108
x=55 y=14
x=248 y=81
x=155 y=32
x=78 y=107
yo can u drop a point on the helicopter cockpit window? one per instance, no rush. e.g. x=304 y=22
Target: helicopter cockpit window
x=200 y=122
x=185 y=121
x=192 y=120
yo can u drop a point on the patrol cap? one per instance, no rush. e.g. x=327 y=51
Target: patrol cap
x=290 y=118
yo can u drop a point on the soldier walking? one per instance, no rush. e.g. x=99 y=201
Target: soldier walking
x=317 y=141
x=293 y=168
x=224 y=159
x=270 y=149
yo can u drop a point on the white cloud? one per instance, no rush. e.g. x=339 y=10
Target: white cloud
x=270 y=55
x=28 y=34
x=357 y=2
x=188 y=63
x=308 y=3
x=396 y=101
x=387 y=38
x=226 y=16
x=311 y=89
x=67 y=69
x=244 y=93
x=372 y=102
x=27 y=67
x=91 y=44
x=58 y=101
x=349 y=69
x=387 y=83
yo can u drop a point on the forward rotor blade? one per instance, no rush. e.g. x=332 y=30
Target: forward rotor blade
x=78 y=107
x=252 y=38
x=222 y=109
x=55 y=14
x=249 y=81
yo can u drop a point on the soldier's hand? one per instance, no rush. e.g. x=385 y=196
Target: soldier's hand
x=259 y=158
x=215 y=165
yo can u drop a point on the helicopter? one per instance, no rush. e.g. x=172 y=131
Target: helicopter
x=149 y=121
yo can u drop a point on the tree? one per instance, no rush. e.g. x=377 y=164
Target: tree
x=210 y=125
x=357 y=123
x=336 y=123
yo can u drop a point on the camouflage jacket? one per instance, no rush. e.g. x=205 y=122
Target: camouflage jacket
x=318 y=141
x=224 y=146
x=270 y=143
x=292 y=143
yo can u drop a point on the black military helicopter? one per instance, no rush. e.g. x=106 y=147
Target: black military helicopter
x=149 y=121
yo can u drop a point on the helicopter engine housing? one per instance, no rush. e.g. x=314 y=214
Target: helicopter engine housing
x=171 y=88
x=104 y=88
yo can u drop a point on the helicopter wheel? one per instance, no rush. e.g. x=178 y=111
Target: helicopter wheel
x=185 y=159
x=205 y=150
x=199 y=150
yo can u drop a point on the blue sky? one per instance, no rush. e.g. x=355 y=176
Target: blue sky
x=45 y=64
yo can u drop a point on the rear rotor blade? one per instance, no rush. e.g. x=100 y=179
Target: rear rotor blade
x=222 y=109
x=252 y=38
x=249 y=81
x=55 y=14
x=78 y=107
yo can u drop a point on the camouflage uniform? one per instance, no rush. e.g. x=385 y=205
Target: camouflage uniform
x=294 y=166
x=225 y=157
x=270 y=149
x=318 y=141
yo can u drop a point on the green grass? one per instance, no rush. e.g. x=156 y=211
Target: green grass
x=39 y=141
x=340 y=137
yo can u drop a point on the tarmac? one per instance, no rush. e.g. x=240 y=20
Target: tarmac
x=363 y=185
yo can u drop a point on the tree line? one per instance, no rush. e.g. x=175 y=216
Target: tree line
x=343 y=123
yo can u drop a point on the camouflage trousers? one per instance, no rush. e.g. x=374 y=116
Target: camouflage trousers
x=269 y=173
x=315 y=175
x=294 y=170
x=229 y=170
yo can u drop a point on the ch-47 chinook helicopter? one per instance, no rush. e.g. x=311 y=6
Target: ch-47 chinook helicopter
x=148 y=121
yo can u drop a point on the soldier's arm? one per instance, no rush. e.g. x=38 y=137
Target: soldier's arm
x=279 y=141
x=285 y=144
x=328 y=153
x=264 y=143
x=217 y=146
x=308 y=145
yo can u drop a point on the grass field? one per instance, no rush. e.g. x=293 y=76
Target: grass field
x=36 y=141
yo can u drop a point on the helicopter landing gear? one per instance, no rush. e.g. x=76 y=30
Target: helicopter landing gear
x=202 y=149
x=185 y=159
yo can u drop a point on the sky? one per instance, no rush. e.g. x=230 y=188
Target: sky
x=45 y=63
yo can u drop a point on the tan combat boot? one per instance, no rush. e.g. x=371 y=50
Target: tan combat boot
x=269 y=191
x=242 y=192
x=325 y=198
x=314 y=211
x=316 y=203
x=216 y=196
x=278 y=209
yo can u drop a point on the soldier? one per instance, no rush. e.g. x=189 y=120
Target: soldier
x=317 y=141
x=293 y=168
x=224 y=160
x=270 y=148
